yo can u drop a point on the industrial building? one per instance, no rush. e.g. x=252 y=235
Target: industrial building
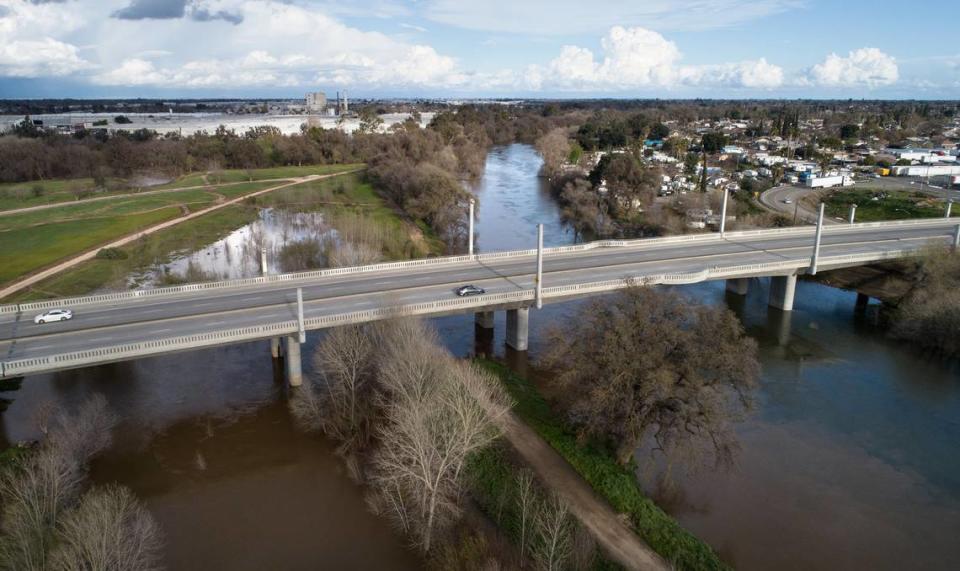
x=316 y=102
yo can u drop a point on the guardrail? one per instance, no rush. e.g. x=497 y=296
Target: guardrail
x=21 y=367
x=431 y=262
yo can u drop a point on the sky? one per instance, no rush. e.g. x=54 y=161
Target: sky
x=857 y=49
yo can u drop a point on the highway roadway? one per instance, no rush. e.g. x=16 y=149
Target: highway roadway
x=161 y=317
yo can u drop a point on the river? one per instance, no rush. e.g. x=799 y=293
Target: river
x=849 y=460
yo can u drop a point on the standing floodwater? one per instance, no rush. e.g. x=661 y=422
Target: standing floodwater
x=850 y=460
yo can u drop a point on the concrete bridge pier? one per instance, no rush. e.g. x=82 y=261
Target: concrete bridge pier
x=484 y=319
x=292 y=360
x=275 y=349
x=862 y=301
x=782 y=289
x=738 y=286
x=518 y=325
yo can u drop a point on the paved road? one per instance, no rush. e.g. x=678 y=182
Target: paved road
x=97 y=326
x=776 y=198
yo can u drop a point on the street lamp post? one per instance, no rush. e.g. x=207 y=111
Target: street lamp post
x=816 y=242
x=539 y=284
x=723 y=213
x=470 y=237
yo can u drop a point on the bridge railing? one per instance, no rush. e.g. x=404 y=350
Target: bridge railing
x=156 y=293
x=19 y=367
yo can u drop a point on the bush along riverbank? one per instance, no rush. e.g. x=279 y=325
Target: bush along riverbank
x=599 y=467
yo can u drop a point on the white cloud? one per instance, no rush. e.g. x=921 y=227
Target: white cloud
x=865 y=67
x=640 y=58
x=27 y=45
x=565 y=17
x=40 y=58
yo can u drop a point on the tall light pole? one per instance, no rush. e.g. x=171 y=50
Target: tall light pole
x=723 y=213
x=956 y=238
x=539 y=284
x=853 y=213
x=816 y=242
x=470 y=237
x=949 y=206
x=301 y=330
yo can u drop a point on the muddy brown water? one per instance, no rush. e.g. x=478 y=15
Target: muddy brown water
x=849 y=461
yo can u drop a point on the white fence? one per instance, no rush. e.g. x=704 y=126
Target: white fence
x=21 y=367
x=432 y=262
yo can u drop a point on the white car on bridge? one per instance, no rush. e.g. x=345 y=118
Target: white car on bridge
x=54 y=315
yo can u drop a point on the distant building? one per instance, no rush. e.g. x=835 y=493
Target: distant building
x=316 y=102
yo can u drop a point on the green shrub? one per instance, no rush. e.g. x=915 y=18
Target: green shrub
x=112 y=254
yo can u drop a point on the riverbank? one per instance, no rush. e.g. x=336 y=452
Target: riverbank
x=616 y=485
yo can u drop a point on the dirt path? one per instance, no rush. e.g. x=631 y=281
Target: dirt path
x=146 y=193
x=616 y=539
x=89 y=254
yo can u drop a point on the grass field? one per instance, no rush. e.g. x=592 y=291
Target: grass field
x=613 y=482
x=36 y=193
x=96 y=274
x=350 y=205
x=34 y=240
x=889 y=205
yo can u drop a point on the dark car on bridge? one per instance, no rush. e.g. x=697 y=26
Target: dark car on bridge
x=470 y=290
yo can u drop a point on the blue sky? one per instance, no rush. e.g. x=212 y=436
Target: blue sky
x=494 y=48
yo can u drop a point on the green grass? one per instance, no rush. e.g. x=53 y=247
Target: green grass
x=98 y=273
x=618 y=485
x=21 y=195
x=890 y=205
x=34 y=240
x=32 y=248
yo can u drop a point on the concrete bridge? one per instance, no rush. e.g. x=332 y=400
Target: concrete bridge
x=134 y=324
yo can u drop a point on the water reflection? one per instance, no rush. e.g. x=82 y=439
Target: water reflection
x=238 y=254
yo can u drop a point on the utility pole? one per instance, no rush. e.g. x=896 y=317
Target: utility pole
x=723 y=213
x=539 y=290
x=470 y=237
x=263 y=261
x=949 y=206
x=853 y=213
x=816 y=242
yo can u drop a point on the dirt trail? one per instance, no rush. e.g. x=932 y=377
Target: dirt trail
x=89 y=254
x=148 y=193
x=616 y=539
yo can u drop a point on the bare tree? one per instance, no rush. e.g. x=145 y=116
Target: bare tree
x=37 y=491
x=437 y=412
x=554 y=147
x=554 y=528
x=930 y=315
x=109 y=529
x=340 y=402
x=527 y=497
x=649 y=367
x=349 y=254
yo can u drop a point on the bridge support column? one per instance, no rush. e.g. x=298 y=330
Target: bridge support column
x=518 y=324
x=275 y=347
x=862 y=301
x=484 y=319
x=292 y=361
x=738 y=286
x=782 y=289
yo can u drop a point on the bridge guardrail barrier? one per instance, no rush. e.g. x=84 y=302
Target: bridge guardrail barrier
x=19 y=367
x=430 y=262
